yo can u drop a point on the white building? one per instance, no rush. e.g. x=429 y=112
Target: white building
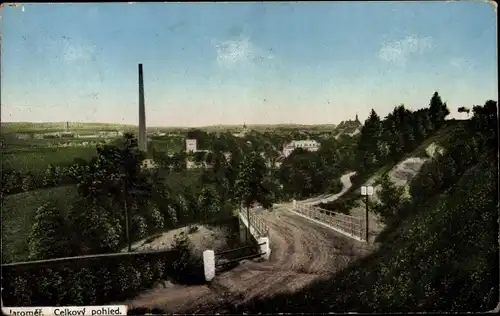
x=310 y=145
x=190 y=145
x=148 y=164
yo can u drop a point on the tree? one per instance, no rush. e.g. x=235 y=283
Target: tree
x=51 y=177
x=305 y=173
x=250 y=186
x=438 y=111
x=116 y=174
x=485 y=123
x=369 y=142
x=463 y=109
x=29 y=182
x=95 y=228
x=48 y=236
x=208 y=202
x=392 y=199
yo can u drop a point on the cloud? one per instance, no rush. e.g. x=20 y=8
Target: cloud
x=240 y=52
x=398 y=52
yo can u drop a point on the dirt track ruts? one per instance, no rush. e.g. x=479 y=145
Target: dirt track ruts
x=301 y=252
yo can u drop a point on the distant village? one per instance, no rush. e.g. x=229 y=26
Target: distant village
x=92 y=138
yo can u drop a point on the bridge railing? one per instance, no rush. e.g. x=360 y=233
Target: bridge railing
x=349 y=225
x=257 y=223
x=213 y=262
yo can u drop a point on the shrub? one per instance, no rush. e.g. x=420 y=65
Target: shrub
x=392 y=200
x=188 y=267
x=335 y=186
x=48 y=237
x=192 y=229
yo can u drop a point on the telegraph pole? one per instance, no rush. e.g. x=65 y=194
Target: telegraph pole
x=366 y=217
x=366 y=191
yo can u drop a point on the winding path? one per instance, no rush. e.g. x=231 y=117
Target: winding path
x=301 y=252
x=325 y=198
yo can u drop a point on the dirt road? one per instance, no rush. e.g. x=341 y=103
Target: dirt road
x=301 y=251
x=325 y=198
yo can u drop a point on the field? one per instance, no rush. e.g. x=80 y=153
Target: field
x=167 y=144
x=19 y=127
x=36 y=159
x=18 y=213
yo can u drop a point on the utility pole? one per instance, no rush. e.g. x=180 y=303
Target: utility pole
x=125 y=200
x=248 y=220
x=366 y=217
x=366 y=191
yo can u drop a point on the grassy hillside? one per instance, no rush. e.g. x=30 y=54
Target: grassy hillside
x=18 y=210
x=444 y=257
x=352 y=196
x=18 y=213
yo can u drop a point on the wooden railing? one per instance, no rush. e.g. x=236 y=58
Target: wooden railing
x=347 y=224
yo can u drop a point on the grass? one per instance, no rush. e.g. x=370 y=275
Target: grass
x=37 y=159
x=167 y=144
x=18 y=213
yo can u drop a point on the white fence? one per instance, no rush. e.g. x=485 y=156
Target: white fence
x=257 y=223
x=348 y=225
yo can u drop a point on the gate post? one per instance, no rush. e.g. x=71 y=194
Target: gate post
x=294 y=204
x=209 y=264
x=265 y=249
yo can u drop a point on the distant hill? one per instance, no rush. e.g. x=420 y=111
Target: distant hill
x=27 y=127
x=31 y=127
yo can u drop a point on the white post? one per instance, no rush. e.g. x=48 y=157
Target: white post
x=265 y=249
x=209 y=264
x=294 y=204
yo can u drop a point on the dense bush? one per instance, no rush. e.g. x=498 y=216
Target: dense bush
x=335 y=186
x=392 y=200
x=95 y=281
x=17 y=181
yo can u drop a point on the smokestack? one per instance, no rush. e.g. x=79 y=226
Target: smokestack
x=143 y=143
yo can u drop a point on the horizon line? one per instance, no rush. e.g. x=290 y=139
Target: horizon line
x=167 y=126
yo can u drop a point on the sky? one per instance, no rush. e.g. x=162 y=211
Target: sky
x=234 y=63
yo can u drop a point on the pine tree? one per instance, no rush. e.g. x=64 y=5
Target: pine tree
x=391 y=197
x=438 y=111
x=369 y=142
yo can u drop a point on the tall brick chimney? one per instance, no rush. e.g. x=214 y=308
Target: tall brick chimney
x=143 y=142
